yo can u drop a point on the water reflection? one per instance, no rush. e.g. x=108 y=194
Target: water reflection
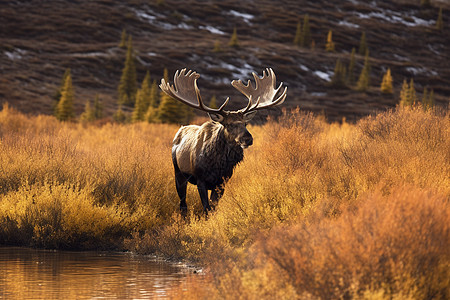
x=41 y=274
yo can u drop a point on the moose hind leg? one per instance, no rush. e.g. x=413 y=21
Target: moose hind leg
x=181 y=184
x=203 y=191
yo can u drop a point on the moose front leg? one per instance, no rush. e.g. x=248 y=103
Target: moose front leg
x=216 y=194
x=203 y=191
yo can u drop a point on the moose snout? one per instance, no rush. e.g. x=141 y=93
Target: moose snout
x=246 y=140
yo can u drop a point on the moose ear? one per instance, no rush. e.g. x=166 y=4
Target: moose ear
x=215 y=117
x=248 y=116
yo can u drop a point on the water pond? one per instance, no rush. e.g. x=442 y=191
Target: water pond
x=43 y=274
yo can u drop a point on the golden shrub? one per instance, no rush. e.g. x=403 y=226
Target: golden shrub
x=315 y=210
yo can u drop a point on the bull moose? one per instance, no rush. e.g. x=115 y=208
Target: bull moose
x=206 y=155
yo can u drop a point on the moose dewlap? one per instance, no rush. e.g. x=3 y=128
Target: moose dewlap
x=206 y=155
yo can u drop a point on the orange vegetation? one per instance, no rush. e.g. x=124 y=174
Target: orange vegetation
x=316 y=210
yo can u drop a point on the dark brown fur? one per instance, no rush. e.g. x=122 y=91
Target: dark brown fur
x=206 y=156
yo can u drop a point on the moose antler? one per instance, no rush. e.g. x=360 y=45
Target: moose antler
x=264 y=92
x=186 y=91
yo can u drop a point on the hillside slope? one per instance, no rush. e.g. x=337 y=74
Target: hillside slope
x=39 y=40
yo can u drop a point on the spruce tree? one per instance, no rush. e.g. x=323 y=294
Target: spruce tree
x=430 y=100
x=306 y=33
x=386 y=83
x=329 y=47
x=362 y=44
x=154 y=95
x=140 y=107
x=88 y=115
x=213 y=102
x=151 y=115
x=146 y=90
x=351 y=68
x=128 y=87
x=64 y=110
x=120 y=116
x=234 y=42
x=364 y=77
x=298 y=34
x=217 y=47
x=98 y=108
x=405 y=99
x=412 y=93
x=123 y=39
x=439 y=22
x=58 y=92
x=338 y=79
x=169 y=111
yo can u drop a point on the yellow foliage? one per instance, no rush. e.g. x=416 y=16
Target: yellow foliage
x=314 y=210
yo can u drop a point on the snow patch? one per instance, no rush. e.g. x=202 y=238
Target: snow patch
x=304 y=68
x=16 y=54
x=433 y=50
x=241 y=72
x=155 y=19
x=89 y=54
x=323 y=75
x=421 y=70
x=400 y=58
x=212 y=29
x=348 y=24
x=395 y=17
x=246 y=17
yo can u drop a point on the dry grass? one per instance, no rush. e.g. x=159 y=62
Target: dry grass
x=316 y=210
x=118 y=174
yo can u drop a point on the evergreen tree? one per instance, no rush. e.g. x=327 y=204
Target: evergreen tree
x=64 y=110
x=146 y=90
x=424 y=96
x=363 y=44
x=364 y=77
x=58 y=92
x=140 y=107
x=351 y=68
x=412 y=93
x=151 y=115
x=88 y=115
x=330 y=44
x=123 y=39
x=405 y=99
x=128 y=87
x=338 y=79
x=98 y=108
x=217 y=47
x=234 y=42
x=120 y=116
x=154 y=99
x=439 y=22
x=386 y=83
x=169 y=111
x=213 y=102
x=306 y=33
x=298 y=34
x=428 y=99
